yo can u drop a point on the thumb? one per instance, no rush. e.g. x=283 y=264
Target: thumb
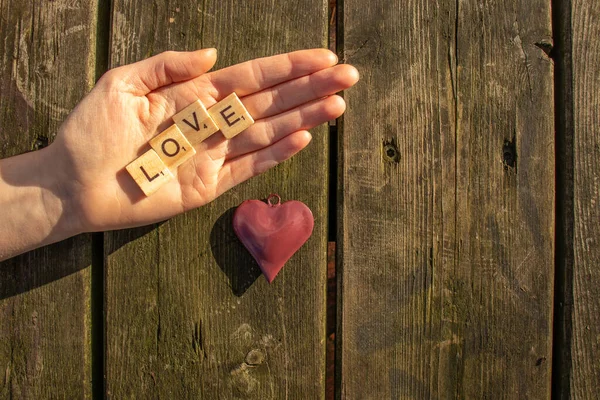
x=164 y=69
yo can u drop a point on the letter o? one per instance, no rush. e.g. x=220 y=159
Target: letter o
x=164 y=147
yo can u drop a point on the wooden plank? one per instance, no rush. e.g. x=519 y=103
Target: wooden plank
x=185 y=317
x=585 y=308
x=447 y=180
x=46 y=66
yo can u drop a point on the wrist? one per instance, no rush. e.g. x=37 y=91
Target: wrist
x=56 y=194
x=34 y=203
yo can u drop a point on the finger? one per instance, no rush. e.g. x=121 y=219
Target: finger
x=164 y=69
x=302 y=90
x=244 y=78
x=247 y=166
x=262 y=73
x=270 y=130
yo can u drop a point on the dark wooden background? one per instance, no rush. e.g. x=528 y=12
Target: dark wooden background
x=458 y=198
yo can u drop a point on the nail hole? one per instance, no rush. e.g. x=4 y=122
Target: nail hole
x=509 y=154
x=390 y=151
x=540 y=361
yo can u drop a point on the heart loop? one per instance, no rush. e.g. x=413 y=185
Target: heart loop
x=276 y=202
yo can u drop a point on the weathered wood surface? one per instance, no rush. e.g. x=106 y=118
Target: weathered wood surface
x=47 y=63
x=447 y=178
x=585 y=309
x=185 y=317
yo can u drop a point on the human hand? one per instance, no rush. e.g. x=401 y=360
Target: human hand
x=286 y=95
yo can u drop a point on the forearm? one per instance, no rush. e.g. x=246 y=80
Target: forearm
x=33 y=204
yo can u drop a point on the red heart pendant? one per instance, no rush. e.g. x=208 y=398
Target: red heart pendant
x=272 y=232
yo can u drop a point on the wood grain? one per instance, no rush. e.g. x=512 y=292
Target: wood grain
x=47 y=63
x=187 y=315
x=585 y=339
x=447 y=201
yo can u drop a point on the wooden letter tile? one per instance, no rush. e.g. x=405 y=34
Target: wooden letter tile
x=195 y=123
x=149 y=172
x=231 y=116
x=172 y=147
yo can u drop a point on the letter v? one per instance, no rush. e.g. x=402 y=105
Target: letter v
x=196 y=126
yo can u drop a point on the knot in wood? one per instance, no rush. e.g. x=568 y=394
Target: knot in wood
x=255 y=357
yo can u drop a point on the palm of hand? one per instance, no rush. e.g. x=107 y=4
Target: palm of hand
x=286 y=95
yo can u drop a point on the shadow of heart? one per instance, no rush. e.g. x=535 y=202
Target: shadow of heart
x=231 y=255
